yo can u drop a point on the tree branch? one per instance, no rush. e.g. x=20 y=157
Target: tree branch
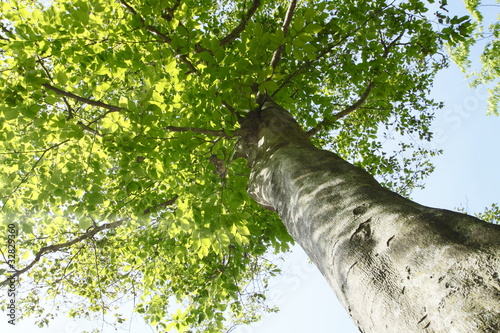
x=344 y=112
x=294 y=74
x=7 y=32
x=150 y=28
x=197 y=130
x=362 y=99
x=58 y=91
x=45 y=151
x=182 y=57
x=90 y=233
x=162 y=205
x=57 y=247
x=90 y=129
x=310 y=62
x=78 y=98
x=229 y=107
x=47 y=72
x=324 y=52
x=286 y=25
x=110 y=108
x=236 y=31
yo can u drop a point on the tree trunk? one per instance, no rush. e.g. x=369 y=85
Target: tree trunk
x=395 y=265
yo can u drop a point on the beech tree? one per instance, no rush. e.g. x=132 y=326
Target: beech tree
x=160 y=151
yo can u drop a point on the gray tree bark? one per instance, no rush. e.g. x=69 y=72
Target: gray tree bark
x=395 y=265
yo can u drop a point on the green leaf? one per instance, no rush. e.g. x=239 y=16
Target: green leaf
x=313 y=28
x=268 y=86
x=243 y=230
x=9 y=113
x=94 y=198
x=62 y=77
x=133 y=186
x=84 y=223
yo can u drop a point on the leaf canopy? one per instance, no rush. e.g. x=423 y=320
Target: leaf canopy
x=483 y=32
x=118 y=126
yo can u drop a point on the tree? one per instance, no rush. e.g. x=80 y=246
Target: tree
x=131 y=130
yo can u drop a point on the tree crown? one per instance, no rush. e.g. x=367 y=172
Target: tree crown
x=119 y=121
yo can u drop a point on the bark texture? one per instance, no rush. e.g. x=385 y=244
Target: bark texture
x=395 y=265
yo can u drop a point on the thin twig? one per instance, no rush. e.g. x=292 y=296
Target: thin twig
x=169 y=202
x=277 y=53
x=325 y=51
x=150 y=28
x=45 y=151
x=182 y=57
x=7 y=32
x=88 y=128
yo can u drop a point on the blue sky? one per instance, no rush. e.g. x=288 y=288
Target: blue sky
x=465 y=176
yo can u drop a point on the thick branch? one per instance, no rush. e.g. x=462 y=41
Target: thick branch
x=286 y=25
x=47 y=72
x=362 y=99
x=58 y=91
x=57 y=247
x=196 y=130
x=344 y=112
x=236 y=31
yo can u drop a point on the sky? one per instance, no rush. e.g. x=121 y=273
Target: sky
x=466 y=176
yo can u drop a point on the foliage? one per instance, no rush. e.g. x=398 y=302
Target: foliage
x=119 y=121
x=491 y=214
x=484 y=33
